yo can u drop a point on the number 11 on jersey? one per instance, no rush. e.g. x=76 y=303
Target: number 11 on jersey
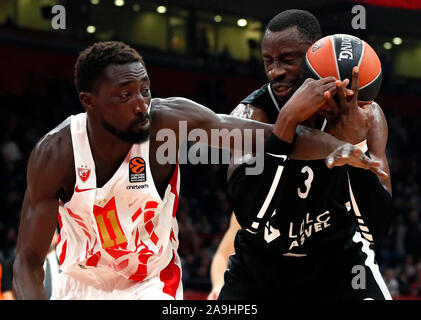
x=108 y=225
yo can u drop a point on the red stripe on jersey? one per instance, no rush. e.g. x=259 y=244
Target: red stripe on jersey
x=144 y=255
x=149 y=227
x=63 y=253
x=154 y=238
x=148 y=215
x=137 y=238
x=171 y=276
x=79 y=221
x=173 y=184
x=140 y=274
x=60 y=223
x=172 y=236
x=151 y=205
x=136 y=214
x=93 y=261
x=142 y=269
x=116 y=252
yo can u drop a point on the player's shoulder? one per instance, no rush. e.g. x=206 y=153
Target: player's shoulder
x=167 y=112
x=373 y=106
x=171 y=103
x=55 y=147
x=56 y=139
x=255 y=97
x=375 y=112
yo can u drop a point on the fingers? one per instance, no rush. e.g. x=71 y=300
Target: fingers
x=326 y=80
x=355 y=85
x=330 y=101
x=328 y=87
x=379 y=172
x=340 y=89
x=353 y=156
x=349 y=92
x=342 y=155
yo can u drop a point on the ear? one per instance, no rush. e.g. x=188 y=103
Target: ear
x=86 y=99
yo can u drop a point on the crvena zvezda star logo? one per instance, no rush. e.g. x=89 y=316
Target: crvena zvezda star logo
x=83 y=173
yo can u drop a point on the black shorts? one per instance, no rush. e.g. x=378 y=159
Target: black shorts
x=349 y=275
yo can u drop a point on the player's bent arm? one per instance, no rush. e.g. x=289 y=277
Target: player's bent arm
x=220 y=259
x=47 y=166
x=372 y=194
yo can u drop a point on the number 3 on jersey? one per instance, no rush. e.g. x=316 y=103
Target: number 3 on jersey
x=307 y=183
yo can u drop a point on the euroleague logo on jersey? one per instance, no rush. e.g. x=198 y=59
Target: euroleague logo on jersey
x=137 y=170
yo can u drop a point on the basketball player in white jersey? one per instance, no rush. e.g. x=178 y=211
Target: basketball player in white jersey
x=96 y=174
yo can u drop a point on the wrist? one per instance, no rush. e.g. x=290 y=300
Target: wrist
x=285 y=126
x=274 y=144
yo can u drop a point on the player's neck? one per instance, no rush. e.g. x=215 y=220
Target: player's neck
x=105 y=145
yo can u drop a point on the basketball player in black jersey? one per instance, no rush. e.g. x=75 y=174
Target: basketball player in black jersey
x=307 y=231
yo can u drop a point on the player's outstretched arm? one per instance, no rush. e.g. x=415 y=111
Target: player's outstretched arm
x=47 y=168
x=311 y=144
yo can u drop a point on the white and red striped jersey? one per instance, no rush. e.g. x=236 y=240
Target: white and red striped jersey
x=123 y=226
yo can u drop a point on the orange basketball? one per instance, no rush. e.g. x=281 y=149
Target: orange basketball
x=337 y=54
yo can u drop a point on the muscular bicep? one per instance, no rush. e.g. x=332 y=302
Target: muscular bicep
x=377 y=141
x=45 y=175
x=250 y=118
x=38 y=221
x=201 y=124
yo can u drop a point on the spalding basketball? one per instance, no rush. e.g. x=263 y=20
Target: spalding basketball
x=337 y=54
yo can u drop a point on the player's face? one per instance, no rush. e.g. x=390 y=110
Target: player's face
x=123 y=98
x=283 y=51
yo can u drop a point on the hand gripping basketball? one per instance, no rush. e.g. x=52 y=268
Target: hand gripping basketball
x=309 y=97
x=346 y=120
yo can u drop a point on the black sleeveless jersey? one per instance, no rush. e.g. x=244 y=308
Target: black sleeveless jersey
x=313 y=215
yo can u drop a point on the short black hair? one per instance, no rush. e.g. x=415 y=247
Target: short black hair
x=306 y=23
x=93 y=61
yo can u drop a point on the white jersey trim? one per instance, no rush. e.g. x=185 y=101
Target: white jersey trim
x=370 y=263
